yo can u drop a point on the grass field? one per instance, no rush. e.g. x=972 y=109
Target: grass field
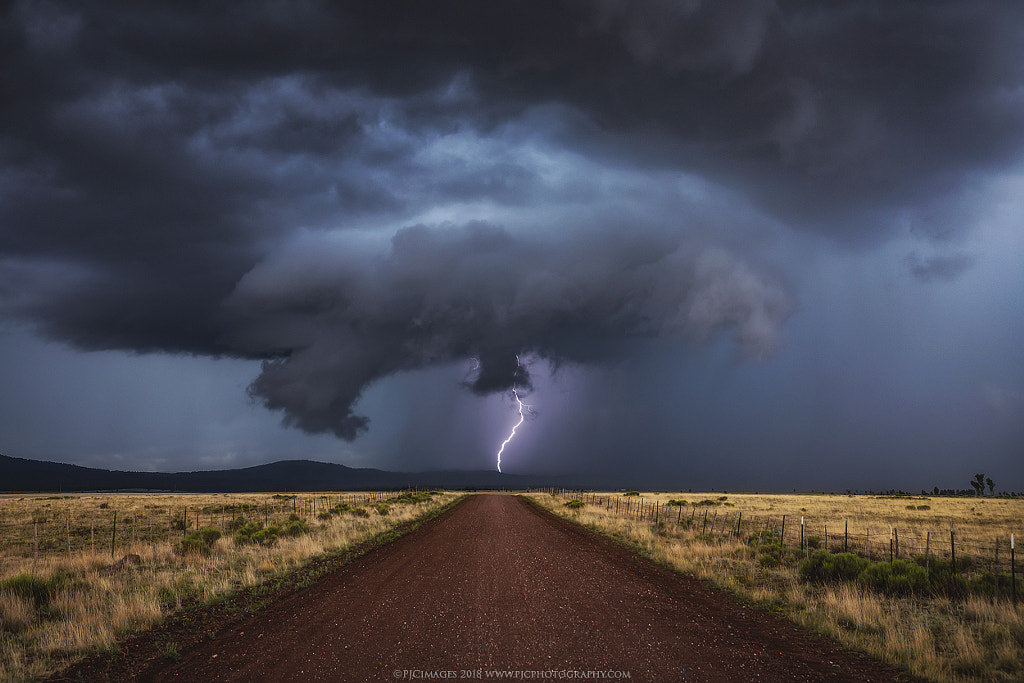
x=959 y=628
x=192 y=549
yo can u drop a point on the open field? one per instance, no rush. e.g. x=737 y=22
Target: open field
x=56 y=605
x=952 y=622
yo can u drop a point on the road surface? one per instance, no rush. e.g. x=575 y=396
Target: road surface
x=498 y=585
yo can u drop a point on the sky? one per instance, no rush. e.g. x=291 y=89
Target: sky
x=757 y=245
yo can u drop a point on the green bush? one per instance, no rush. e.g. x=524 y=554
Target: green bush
x=769 y=554
x=253 y=533
x=814 y=542
x=574 y=504
x=823 y=566
x=198 y=542
x=631 y=493
x=382 y=509
x=708 y=501
x=295 y=526
x=679 y=503
x=412 y=497
x=898 y=577
x=39 y=589
x=987 y=585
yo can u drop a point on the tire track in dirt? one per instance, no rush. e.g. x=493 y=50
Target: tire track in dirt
x=498 y=584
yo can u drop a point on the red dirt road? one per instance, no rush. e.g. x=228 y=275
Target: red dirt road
x=497 y=584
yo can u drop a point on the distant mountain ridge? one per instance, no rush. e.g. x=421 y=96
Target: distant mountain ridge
x=23 y=475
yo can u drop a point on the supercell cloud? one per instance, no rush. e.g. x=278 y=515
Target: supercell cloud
x=352 y=192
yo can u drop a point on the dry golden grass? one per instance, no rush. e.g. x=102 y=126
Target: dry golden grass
x=91 y=607
x=943 y=639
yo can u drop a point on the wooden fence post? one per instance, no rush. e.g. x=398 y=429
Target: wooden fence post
x=801 y=532
x=846 y=534
x=69 y=533
x=35 y=536
x=113 y=535
x=927 y=552
x=890 y=544
x=1013 y=571
x=704 y=527
x=782 y=533
x=897 y=533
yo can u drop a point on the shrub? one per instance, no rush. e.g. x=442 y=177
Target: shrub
x=680 y=503
x=382 y=509
x=823 y=566
x=574 y=504
x=814 y=541
x=198 y=542
x=39 y=589
x=296 y=527
x=985 y=584
x=769 y=555
x=253 y=533
x=236 y=523
x=942 y=576
x=412 y=497
x=631 y=493
x=899 y=577
x=708 y=501
x=359 y=512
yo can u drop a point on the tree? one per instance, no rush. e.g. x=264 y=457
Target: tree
x=979 y=483
x=991 y=485
x=935 y=491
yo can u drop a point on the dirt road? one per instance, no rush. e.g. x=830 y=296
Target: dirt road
x=496 y=584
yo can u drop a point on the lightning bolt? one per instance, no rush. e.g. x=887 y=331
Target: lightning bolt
x=522 y=417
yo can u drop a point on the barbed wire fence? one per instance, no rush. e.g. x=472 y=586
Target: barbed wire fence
x=47 y=532
x=985 y=561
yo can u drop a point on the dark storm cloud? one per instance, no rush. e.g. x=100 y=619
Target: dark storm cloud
x=157 y=164
x=475 y=291
x=946 y=267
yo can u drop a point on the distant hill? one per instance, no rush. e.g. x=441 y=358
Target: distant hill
x=20 y=474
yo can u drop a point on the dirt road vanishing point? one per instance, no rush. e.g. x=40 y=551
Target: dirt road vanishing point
x=497 y=584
